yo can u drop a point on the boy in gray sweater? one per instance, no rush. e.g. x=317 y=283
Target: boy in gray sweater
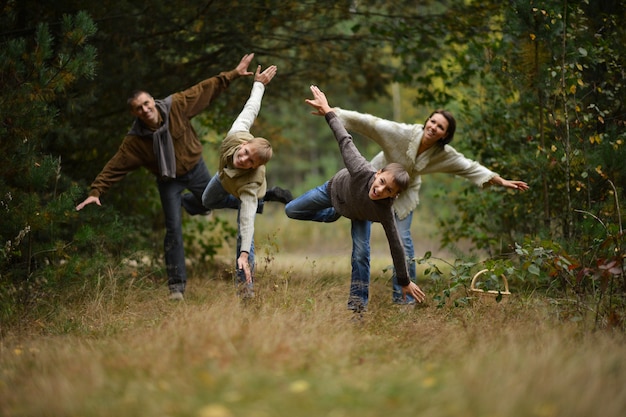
x=362 y=194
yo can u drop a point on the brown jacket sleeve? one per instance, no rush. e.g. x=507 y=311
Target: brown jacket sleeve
x=132 y=154
x=197 y=98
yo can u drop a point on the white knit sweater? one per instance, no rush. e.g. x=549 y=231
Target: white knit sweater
x=400 y=142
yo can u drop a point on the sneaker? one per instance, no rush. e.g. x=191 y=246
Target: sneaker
x=246 y=292
x=278 y=194
x=357 y=317
x=193 y=206
x=406 y=302
x=176 y=296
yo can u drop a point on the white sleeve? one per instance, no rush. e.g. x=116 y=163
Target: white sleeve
x=251 y=109
x=247 y=213
x=399 y=141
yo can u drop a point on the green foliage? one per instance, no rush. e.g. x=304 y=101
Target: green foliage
x=37 y=201
x=589 y=273
x=61 y=258
x=539 y=98
x=203 y=238
x=537 y=88
x=594 y=278
x=444 y=288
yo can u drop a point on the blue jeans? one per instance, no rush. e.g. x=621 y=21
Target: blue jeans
x=172 y=200
x=216 y=197
x=361 y=261
x=315 y=205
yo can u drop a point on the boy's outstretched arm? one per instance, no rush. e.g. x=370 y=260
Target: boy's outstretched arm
x=413 y=290
x=319 y=102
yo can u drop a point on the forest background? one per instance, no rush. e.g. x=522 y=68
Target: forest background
x=538 y=90
x=537 y=87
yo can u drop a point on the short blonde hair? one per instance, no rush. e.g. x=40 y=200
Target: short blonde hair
x=262 y=149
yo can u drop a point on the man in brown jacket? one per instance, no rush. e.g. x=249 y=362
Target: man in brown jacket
x=163 y=141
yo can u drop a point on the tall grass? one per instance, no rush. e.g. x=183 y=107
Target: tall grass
x=123 y=349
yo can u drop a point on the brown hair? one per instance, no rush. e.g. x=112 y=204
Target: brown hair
x=400 y=176
x=134 y=95
x=451 y=126
x=262 y=149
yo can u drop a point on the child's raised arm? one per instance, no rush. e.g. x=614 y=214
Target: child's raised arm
x=319 y=102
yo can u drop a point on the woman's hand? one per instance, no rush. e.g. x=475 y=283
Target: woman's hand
x=515 y=185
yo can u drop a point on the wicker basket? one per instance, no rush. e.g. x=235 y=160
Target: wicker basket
x=490 y=294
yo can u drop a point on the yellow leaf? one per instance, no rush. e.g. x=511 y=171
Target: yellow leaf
x=594 y=139
x=299 y=386
x=532 y=37
x=572 y=89
x=553 y=148
x=546 y=410
x=429 y=382
x=214 y=410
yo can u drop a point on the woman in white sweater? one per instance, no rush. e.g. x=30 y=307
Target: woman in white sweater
x=420 y=149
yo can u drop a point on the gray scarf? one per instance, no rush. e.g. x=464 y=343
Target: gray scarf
x=161 y=139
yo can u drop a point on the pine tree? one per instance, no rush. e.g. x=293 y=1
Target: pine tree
x=37 y=67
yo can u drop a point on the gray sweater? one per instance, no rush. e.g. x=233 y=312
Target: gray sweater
x=349 y=193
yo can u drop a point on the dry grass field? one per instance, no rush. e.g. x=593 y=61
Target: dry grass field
x=123 y=349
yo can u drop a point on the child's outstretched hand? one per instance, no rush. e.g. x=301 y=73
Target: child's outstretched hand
x=266 y=76
x=415 y=291
x=319 y=102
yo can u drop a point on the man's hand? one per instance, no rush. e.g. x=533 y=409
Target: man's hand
x=88 y=200
x=242 y=263
x=242 y=68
